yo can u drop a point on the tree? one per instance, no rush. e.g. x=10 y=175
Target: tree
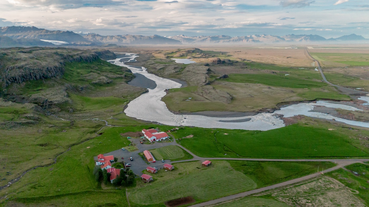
x=117 y=181
x=115 y=159
x=105 y=176
x=97 y=173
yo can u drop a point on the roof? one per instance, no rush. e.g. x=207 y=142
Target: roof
x=100 y=156
x=152 y=130
x=151 y=168
x=168 y=165
x=107 y=163
x=160 y=135
x=148 y=155
x=109 y=157
x=114 y=173
x=206 y=162
x=146 y=177
x=147 y=133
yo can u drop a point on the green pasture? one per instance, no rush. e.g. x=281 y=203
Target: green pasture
x=294 y=141
x=349 y=59
x=253 y=201
x=171 y=152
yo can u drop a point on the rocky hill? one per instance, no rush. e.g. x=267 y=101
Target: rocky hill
x=130 y=39
x=21 y=65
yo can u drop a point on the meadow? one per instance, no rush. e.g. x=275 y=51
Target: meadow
x=172 y=153
x=302 y=140
x=342 y=59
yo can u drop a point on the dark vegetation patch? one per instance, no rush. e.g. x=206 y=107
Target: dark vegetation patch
x=180 y=201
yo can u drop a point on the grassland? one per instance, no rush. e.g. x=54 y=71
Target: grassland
x=342 y=59
x=303 y=140
x=172 y=153
x=254 y=202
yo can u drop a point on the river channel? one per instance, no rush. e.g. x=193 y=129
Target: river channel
x=150 y=107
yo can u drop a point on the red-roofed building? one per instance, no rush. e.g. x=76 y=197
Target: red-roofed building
x=206 y=163
x=114 y=173
x=146 y=178
x=151 y=169
x=168 y=167
x=104 y=161
x=153 y=135
x=149 y=156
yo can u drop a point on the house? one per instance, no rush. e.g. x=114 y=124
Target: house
x=151 y=169
x=153 y=135
x=149 y=156
x=168 y=167
x=206 y=163
x=114 y=173
x=104 y=161
x=146 y=178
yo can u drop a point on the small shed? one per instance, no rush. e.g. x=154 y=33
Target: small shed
x=151 y=169
x=146 y=178
x=206 y=163
x=149 y=156
x=168 y=167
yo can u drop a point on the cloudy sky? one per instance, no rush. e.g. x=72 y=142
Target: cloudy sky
x=329 y=18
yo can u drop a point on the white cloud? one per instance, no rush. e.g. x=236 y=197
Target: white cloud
x=296 y=3
x=340 y=2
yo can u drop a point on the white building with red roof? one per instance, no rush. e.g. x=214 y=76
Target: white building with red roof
x=104 y=161
x=114 y=173
x=153 y=135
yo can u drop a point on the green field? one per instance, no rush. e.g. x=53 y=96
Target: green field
x=348 y=59
x=172 y=153
x=254 y=202
x=222 y=178
x=294 y=141
x=279 y=80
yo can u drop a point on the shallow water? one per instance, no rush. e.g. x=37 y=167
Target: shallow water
x=184 y=61
x=149 y=107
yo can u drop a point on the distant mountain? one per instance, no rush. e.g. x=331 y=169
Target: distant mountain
x=351 y=37
x=16 y=32
x=259 y=39
x=9 y=42
x=130 y=39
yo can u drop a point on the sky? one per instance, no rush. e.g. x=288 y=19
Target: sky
x=328 y=18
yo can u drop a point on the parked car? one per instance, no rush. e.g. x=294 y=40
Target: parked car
x=141 y=142
x=128 y=164
x=123 y=149
x=162 y=160
x=131 y=158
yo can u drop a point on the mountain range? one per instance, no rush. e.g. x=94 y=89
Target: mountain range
x=16 y=36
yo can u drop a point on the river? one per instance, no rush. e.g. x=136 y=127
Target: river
x=150 y=107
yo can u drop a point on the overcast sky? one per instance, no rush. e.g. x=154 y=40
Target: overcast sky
x=329 y=18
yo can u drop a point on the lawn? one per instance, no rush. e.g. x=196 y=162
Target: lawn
x=172 y=153
x=191 y=179
x=294 y=141
x=269 y=173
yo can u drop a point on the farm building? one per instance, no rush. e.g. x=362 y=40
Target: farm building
x=153 y=135
x=146 y=178
x=151 y=169
x=168 y=167
x=104 y=161
x=114 y=173
x=149 y=156
x=206 y=163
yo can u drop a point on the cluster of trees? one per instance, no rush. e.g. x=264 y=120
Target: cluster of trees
x=126 y=177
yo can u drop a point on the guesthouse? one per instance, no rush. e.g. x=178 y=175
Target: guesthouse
x=206 y=163
x=151 y=170
x=149 y=156
x=153 y=135
x=104 y=161
x=114 y=173
x=146 y=178
x=168 y=167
